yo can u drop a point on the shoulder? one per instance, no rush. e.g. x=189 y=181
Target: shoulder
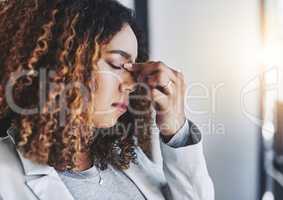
x=7 y=149
x=9 y=159
x=12 y=176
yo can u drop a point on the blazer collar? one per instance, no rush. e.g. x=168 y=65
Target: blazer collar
x=43 y=180
x=30 y=168
x=46 y=184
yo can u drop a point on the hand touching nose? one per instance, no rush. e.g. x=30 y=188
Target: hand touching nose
x=167 y=88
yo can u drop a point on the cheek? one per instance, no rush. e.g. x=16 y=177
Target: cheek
x=106 y=80
x=106 y=88
x=106 y=77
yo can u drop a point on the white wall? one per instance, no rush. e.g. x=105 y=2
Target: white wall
x=216 y=42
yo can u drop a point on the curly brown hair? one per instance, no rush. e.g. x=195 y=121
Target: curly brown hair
x=65 y=36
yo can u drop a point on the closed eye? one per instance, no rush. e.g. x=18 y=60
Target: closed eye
x=114 y=66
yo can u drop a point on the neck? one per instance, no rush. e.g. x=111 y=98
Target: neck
x=83 y=162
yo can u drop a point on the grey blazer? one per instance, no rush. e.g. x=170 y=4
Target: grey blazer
x=175 y=173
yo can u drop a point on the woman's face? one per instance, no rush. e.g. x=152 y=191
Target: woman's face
x=113 y=83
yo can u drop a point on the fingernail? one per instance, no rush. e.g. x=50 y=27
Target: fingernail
x=128 y=66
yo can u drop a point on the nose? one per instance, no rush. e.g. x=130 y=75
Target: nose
x=128 y=82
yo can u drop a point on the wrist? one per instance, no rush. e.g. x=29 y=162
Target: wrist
x=168 y=130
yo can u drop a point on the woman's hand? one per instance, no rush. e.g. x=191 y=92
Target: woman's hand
x=167 y=88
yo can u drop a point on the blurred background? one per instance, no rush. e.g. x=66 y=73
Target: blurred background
x=231 y=53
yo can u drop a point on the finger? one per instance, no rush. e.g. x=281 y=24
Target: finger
x=161 y=102
x=148 y=68
x=162 y=83
x=180 y=81
x=145 y=69
x=156 y=74
x=141 y=70
x=157 y=69
x=128 y=67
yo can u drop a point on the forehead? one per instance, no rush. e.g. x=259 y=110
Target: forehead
x=125 y=40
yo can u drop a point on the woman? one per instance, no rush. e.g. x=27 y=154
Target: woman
x=83 y=100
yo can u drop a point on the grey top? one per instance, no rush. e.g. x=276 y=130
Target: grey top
x=110 y=184
x=107 y=184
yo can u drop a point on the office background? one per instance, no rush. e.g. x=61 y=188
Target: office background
x=229 y=52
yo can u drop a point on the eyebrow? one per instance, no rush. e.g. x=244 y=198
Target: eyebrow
x=121 y=53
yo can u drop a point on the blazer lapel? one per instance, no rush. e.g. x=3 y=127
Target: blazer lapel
x=43 y=180
x=146 y=176
x=48 y=187
x=46 y=184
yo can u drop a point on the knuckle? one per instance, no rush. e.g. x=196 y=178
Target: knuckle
x=159 y=64
x=180 y=75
